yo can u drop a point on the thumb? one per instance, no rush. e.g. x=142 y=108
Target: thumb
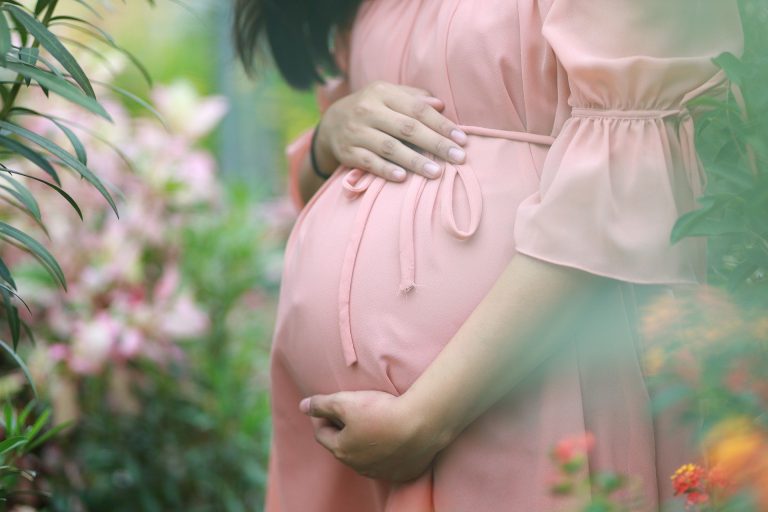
x=322 y=406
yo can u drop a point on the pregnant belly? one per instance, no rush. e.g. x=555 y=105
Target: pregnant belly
x=379 y=276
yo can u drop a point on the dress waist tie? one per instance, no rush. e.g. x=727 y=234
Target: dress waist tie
x=357 y=183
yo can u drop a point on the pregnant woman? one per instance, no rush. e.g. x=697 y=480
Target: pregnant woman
x=464 y=290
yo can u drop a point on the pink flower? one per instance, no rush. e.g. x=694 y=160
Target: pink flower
x=92 y=344
x=573 y=449
x=185 y=111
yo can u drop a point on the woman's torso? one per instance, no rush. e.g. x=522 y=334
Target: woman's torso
x=379 y=275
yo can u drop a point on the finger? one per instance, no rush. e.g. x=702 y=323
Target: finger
x=435 y=103
x=415 y=91
x=422 y=111
x=393 y=150
x=324 y=406
x=326 y=434
x=366 y=160
x=418 y=134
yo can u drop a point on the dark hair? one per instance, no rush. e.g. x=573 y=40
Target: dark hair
x=298 y=33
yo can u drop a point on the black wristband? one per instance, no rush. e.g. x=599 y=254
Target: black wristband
x=313 y=159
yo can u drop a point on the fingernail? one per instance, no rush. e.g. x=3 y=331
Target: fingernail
x=432 y=169
x=398 y=173
x=459 y=136
x=457 y=155
x=304 y=406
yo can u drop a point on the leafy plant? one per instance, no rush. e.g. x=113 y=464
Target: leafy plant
x=732 y=140
x=33 y=55
x=21 y=434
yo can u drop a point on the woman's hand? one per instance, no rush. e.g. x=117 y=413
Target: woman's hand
x=375 y=433
x=380 y=128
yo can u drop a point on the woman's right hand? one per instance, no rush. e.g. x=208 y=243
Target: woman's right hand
x=380 y=128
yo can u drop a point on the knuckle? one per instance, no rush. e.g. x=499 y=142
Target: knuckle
x=347 y=151
x=377 y=86
x=442 y=147
x=408 y=127
x=446 y=127
x=419 y=109
x=366 y=160
x=361 y=109
x=416 y=162
x=388 y=147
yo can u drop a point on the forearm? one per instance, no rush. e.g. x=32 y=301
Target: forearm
x=508 y=335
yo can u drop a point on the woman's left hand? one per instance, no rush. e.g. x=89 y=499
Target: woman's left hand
x=377 y=434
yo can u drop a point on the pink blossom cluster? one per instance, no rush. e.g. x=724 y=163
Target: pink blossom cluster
x=125 y=298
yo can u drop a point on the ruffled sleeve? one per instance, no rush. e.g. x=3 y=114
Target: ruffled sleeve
x=623 y=167
x=325 y=95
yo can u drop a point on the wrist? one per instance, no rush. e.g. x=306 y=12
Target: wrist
x=424 y=421
x=323 y=160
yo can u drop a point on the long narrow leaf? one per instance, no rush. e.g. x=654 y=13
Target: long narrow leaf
x=58 y=189
x=51 y=43
x=21 y=364
x=36 y=249
x=5 y=273
x=23 y=195
x=100 y=35
x=31 y=155
x=5 y=37
x=61 y=87
x=68 y=159
x=78 y=146
x=136 y=99
x=12 y=313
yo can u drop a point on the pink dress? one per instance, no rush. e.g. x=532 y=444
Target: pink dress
x=580 y=153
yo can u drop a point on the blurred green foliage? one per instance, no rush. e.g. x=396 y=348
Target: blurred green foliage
x=732 y=140
x=201 y=438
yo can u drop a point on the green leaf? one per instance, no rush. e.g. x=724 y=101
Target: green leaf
x=51 y=43
x=100 y=35
x=609 y=482
x=5 y=273
x=40 y=6
x=31 y=155
x=49 y=434
x=22 y=365
x=134 y=98
x=78 y=146
x=61 y=87
x=732 y=66
x=24 y=414
x=39 y=424
x=5 y=37
x=10 y=424
x=68 y=159
x=36 y=249
x=12 y=443
x=13 y=317
x=58 y=189
x=23 y=195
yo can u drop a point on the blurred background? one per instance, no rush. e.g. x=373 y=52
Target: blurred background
x=143 y=386
x=155 y=358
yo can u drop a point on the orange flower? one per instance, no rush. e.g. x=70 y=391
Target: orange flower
x=689 y=478
x=739 y=451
